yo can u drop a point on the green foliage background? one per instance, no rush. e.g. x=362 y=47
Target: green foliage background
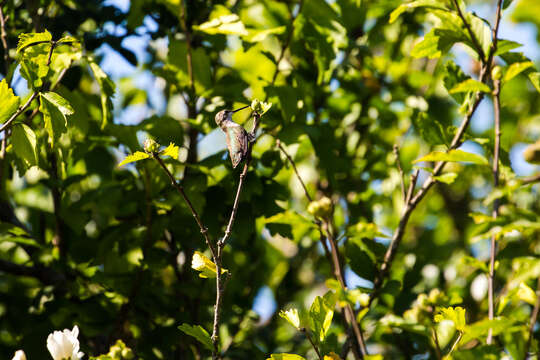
x=109 y=249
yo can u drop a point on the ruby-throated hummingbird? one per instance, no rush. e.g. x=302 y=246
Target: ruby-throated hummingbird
x=237 y=137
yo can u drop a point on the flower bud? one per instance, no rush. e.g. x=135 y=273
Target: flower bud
x=321 y=208
x=496 y=73
x=150 y=146
x=256 y=105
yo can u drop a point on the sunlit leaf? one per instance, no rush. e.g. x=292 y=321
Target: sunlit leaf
x=9 y=103
x=285 y=357
x=414 y=4
x=470 y=85
x=172 y=151
x=205 y=266
x=136 y=156
x=453 y=156
x=260 y=35
x=30 y=39
x=525 y=293
x=516 y=68
x=225 y=24
x=54 y=109
x=320 y=315
x=456 y=315
x=291 y=316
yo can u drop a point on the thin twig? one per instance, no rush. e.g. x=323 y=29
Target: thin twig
x=306 y=332
x=401 y=174
x=19 y=111
x=493 y=243
x=455 y=344
x=533 y=319
x=530 y=179
x=180 y=189
x=291 y=161
x=471 y=33
x=3 y=38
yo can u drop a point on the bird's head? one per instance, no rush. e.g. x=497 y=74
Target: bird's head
x=225 y=115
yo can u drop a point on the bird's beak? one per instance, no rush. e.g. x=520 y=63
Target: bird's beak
x=242 y=108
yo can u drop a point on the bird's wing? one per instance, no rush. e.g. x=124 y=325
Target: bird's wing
x=237 y=142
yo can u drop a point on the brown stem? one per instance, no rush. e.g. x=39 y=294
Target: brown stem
x=19 y=111
x=194 y=212
x=471 y=33
x=3 y=38
x=401 y=175
x=306 y=332
x=530 y=179
x=493 y=243
x=533 y=319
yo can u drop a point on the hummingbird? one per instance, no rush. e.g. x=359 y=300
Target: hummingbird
x=237 y=137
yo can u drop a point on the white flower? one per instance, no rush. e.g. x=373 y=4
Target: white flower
x=19 y=355
x=64 y=345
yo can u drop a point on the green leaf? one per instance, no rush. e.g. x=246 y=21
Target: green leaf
x=199 y=333
x=481 y=31
x=291 y=316
x=285 y=357
x=30 y=39
x=454 y=75
x=534 y=77
x=414 y=4
x=24 y=143
x=456 y=315
x=67 y=40
x=435 y=43
x=453 y=156
x=226 y=24
x=136 y=156
x=205 y=266
x=504 y=46
x=481 y=328
x=259 y=35
x=9 y=103
x=61 y=104
x=107 y=91
x=431 y=130
x=447 y=178
x=54 y=109
x=172 y=151
x=516 y=68
x=470 y=85
x=475 y=263
x=320 y=315
x=525 y=293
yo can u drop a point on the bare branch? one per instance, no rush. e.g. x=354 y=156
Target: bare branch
x=3 y=38
x=19 y=111
x=531 y=179
x=306 y=332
